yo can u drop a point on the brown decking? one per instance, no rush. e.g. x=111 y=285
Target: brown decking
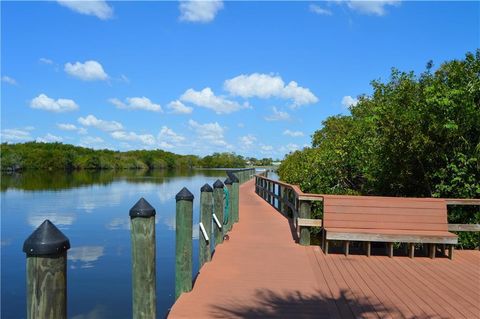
x=261 y=272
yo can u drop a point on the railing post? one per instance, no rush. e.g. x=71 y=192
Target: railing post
x=183 y=242
x=218 y=206
x=46 y=250
x=228 y=213
x=142 y=222
x=235 y=198
x=280 y=202
x=305 y=212
x=206 y=210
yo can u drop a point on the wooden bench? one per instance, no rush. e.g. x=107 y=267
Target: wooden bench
x=387 y=219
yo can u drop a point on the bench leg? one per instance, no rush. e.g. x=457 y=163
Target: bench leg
x=347 y=246
x=442 y=248
x=369 y=248
x=324 y=235
x=326 y=247
x=433 y=250
x=450 y=252
x=390 y=249
x=411 y=250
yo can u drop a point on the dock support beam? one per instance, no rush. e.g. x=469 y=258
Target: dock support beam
x=46 y=250
x=218 y=206
x=183 y=242
x=206 y=209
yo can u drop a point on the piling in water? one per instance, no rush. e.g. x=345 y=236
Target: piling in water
x=142 y=222
x=46 y=250
x=206 y=210
x=218 y=206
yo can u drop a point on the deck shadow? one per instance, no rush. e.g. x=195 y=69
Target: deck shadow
x=295 y=304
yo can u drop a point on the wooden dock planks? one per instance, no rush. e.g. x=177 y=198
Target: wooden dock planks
x=261 y=272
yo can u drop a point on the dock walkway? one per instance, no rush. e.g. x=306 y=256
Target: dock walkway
x=262 y=272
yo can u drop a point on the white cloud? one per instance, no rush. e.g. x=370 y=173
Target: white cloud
x=9 y=80
x=49 y=138
x=376 y=7
x=59 y=220
x=146 y=139
x=199 y=11
x=45 y=61
x=348 y=101
x=178 y=107
x=15 y=135
x=43 y=102
x=67 y=127
x=206 y=98
x=136 y=103
x=98 y=8
x=266 y=148
x=319 y=10
x=168 y=138
x=107 y=126
x=247 y=140
x=293 y=133
x=278 y=115
x=86 y=255
x=71 y=127
x=211 y=133
x=266 y=86
x=87 y=71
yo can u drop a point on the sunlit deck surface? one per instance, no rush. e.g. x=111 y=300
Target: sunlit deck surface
x=261 y=272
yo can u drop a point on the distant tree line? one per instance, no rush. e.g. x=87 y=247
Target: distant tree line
x=59 y=156
x=414 y=136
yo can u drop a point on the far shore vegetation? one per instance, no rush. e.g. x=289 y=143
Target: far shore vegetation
x=58 y=156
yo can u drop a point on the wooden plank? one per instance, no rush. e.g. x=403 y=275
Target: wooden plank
x=385 y=202
x=462 y=201
x=464 y=227
x=309 y=222
x=391 y=238
x=367 y=216
x=385 y=210
x=385 y=225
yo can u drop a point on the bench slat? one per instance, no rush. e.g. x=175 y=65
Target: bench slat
x=433 y=219
x=386 y=225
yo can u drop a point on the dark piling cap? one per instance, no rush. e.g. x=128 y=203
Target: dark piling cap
x=206 y=188
x=142 y=209
x=228 y=181
x=184 y=194
x=232 y=177
x=218 y=184
x=47 y=239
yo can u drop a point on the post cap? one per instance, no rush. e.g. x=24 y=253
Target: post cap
x=47 y=239
x=218 y=184
x=184 y=194
x=228 y=181
x=232 y=177
x=142 y=209
x=206 y=188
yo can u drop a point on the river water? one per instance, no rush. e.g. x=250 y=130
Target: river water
x=91 y=209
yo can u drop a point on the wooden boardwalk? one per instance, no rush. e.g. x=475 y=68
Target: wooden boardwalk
x=261 y=272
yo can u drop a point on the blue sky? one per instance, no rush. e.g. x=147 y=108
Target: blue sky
x=255 y=78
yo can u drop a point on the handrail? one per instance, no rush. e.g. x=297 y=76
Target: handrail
x=291 y=197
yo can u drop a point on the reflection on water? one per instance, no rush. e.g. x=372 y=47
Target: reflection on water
x=91 y=208
x=86 y=255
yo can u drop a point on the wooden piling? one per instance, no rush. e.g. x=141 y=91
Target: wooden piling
x=183 y=242
x=227 y=214
x=206 y=210
x=305 y=212
x=46 y=250
x=142 y=222
x=235 y=199
x=218 y=206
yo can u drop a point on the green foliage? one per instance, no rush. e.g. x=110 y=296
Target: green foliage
x=58 y=156
x=224 y=160
x=414 y=136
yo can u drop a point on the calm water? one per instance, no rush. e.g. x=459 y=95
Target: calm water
x=91 y=209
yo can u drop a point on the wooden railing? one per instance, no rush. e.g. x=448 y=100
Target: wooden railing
x=292 y=202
